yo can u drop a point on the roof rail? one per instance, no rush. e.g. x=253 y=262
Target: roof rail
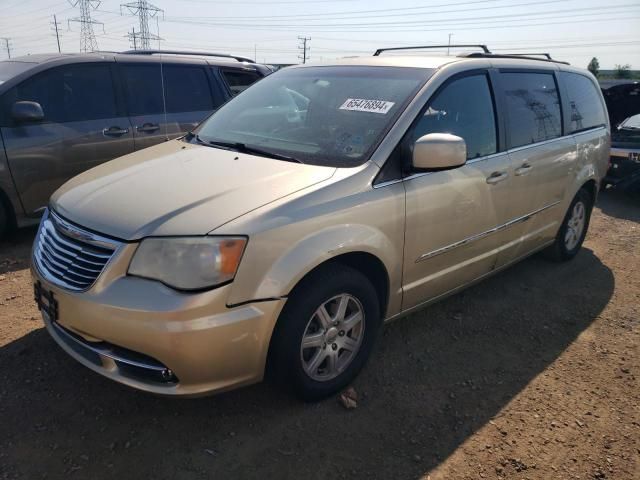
x=525 y=56
x=482 y=47
x=546 y=55
x=186 y=52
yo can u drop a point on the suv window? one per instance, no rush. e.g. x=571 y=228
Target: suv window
x=144 y=89
x=463 y=108
x=585 y=106
x=533 y=107
x=187 y=89
x=239 y=80
x=70 y=94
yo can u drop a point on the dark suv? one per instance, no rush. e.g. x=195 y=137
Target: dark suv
x=63 y=114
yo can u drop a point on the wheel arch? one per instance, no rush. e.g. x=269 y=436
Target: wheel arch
x=366 y=263
x=7 y=206
x=591 y=187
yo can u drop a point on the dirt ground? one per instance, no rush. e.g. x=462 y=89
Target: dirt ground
x=532 y=374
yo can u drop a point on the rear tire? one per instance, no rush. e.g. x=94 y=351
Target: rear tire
x=573 y=229
x=325 y=333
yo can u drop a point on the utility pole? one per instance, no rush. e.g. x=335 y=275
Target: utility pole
x=305 y=48
x=449 y=44
x=143 y=10
x=7 y=45
x=55 y=26
x=88 y=42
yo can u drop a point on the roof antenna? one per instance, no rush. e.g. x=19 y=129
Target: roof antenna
x=164 y=101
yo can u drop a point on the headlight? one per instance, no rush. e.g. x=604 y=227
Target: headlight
x=189 y=263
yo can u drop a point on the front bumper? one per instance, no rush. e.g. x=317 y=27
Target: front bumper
x=143 y=334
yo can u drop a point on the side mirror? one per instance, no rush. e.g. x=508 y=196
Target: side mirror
x=439 y=150
x=24 y=112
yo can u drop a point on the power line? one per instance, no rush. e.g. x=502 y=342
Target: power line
x=88 y=42
x=304 y=47
x=143 y=10
x=357 y=15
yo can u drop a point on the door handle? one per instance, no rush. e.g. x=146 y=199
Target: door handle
x=497 y=177
x=114 y=131
x=148 y=127
x=523 y=170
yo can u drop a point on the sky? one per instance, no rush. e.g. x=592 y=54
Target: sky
x=571 y=30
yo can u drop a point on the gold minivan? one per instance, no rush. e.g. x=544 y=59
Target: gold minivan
x=279 y=235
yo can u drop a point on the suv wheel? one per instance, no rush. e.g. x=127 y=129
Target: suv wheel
x=574 y=228
x=325 y=333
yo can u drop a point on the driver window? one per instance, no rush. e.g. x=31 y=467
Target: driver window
x=464 y=108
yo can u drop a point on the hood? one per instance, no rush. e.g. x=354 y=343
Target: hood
x=177 y=188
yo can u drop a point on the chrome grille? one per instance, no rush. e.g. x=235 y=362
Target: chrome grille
x=68 y=256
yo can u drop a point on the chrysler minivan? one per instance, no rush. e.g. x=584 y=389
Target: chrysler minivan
x=62 y=114
x=279 y=235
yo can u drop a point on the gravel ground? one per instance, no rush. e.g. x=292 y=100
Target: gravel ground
x=532 y=374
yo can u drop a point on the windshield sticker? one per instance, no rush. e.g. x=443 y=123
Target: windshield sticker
x=362 y=105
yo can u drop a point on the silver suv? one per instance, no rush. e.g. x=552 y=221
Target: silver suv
x=63 y=114
x=321 y=202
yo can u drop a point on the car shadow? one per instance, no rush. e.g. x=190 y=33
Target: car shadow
x=435 y=378
x=621 y=203
x=16 y=248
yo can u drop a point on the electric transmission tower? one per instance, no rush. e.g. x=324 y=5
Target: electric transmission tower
x=143 y=10
x=304 y=47
x=88 y=42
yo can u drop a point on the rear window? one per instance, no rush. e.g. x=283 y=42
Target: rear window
x=239 y=80
x=533 y=107
x=585 y=106
x=11 y=69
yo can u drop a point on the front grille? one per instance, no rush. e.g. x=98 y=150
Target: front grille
x=68 y=256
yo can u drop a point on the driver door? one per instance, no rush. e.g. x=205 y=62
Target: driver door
x=457 y=220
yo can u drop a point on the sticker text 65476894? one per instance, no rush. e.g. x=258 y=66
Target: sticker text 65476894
x=363 y=105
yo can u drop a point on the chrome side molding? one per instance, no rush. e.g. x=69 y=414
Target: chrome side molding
x=478 y=236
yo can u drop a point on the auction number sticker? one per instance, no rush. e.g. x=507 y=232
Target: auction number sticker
x=363 y=105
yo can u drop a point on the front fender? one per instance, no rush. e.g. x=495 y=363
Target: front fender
x=319 y=247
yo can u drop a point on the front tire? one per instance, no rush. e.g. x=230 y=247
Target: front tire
x=573 y=229
x=325 y=333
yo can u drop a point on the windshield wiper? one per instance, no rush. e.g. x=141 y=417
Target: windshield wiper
x=244 y=148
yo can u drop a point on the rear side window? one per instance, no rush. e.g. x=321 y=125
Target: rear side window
x=463 y=108
x=239 y=80
x=533 y=107
x=187 y=89
x=144 y=89
x=585 y=106
x=71 y=93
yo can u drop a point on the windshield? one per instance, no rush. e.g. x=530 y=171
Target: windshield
x=631 y=122
x=331 y=116
x=11 y=69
